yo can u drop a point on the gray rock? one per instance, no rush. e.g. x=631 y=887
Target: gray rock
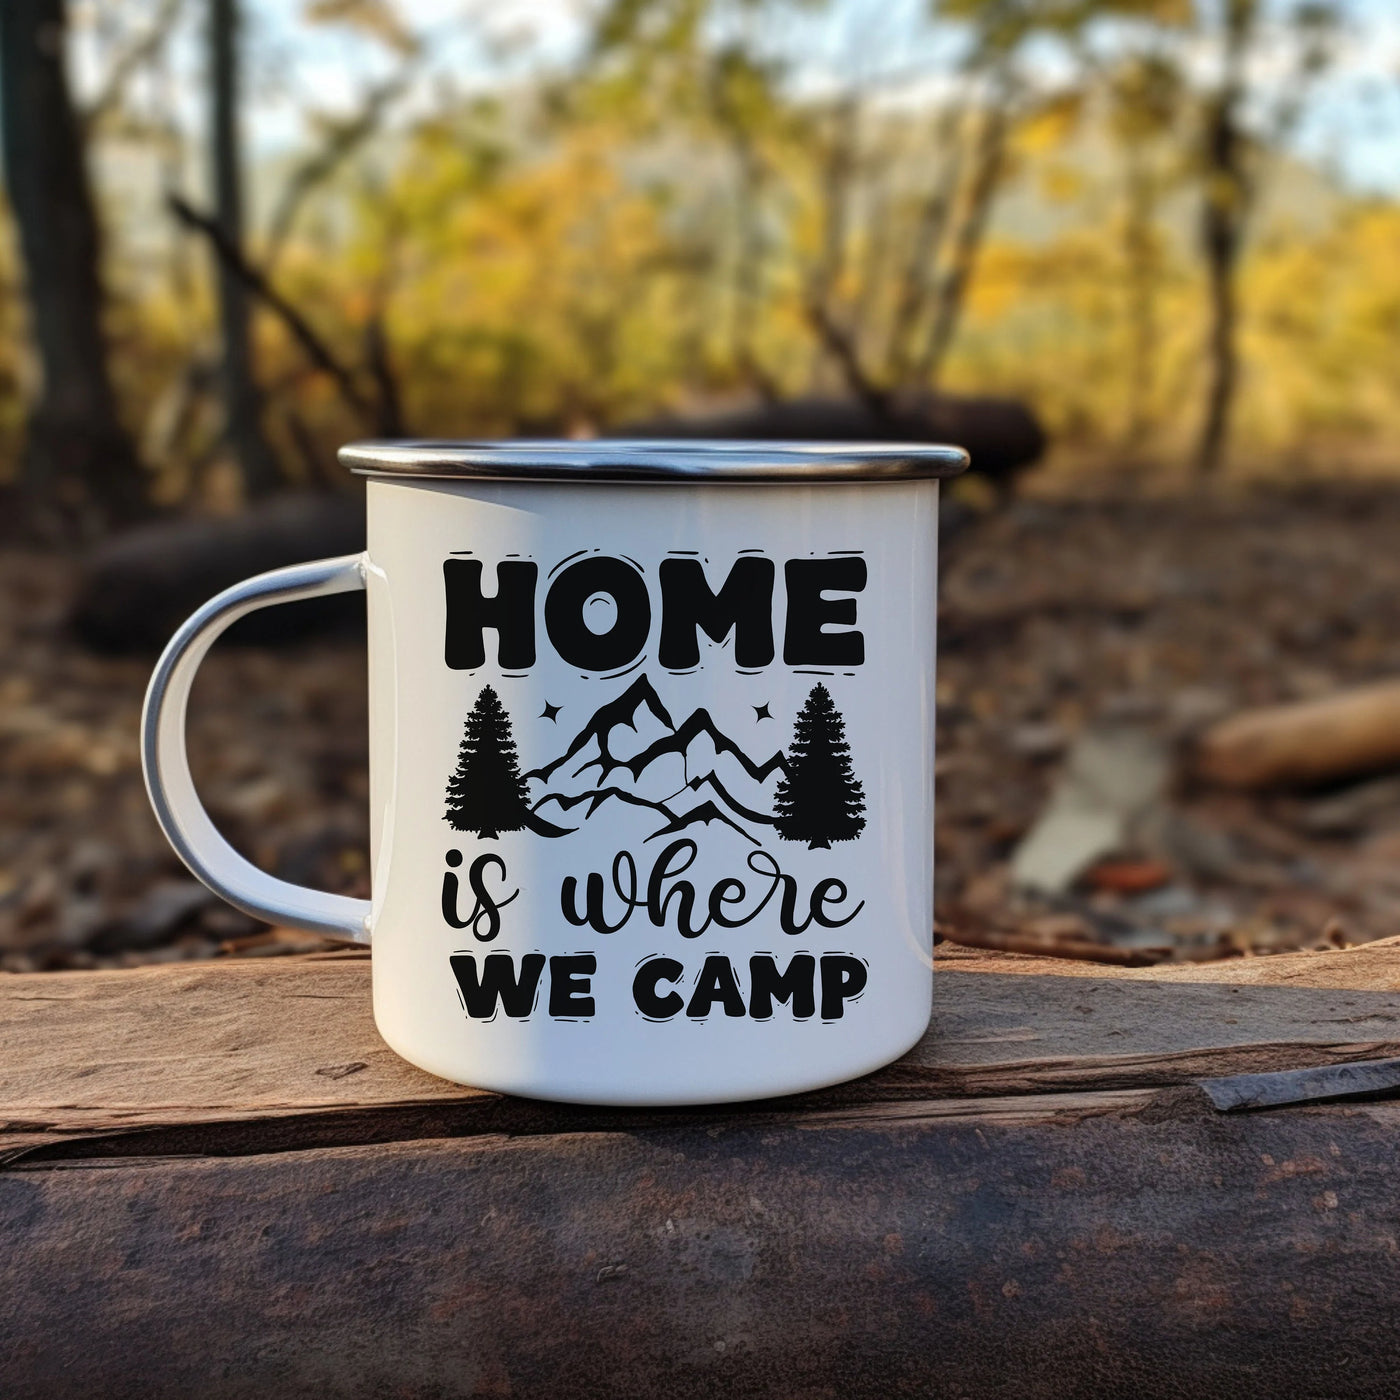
x=1114 y=776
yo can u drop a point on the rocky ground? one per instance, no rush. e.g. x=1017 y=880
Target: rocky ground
x=1060 y=618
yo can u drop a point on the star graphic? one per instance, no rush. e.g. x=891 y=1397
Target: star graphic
x=550 y=711
x=761 y=712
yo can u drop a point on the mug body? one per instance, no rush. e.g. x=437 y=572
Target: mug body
x=652 y=781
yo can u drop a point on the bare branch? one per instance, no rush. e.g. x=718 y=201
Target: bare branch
x=316 y=349
x=749 y=254
x=377 y=18
x=919 y=275
x=317 y=168
x=318 y=468
x=143 y=48
x=837 y=180
x=391 y=423
x=748 y=270
x=841 y=347
x=966 y=242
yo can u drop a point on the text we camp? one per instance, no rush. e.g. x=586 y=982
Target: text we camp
x=812 y=611
x=663 y=988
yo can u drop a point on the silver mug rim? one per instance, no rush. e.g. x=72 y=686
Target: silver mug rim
x=640 y=460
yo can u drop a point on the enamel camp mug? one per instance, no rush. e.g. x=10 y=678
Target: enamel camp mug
x=651 y=761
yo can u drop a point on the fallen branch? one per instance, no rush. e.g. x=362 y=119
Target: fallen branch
x=1305 y=744
x=1315 y=1084
x=1042 y=946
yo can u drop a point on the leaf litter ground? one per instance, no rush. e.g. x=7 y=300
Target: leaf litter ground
x=1058 y=616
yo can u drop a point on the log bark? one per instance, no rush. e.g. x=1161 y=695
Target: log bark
x=1305 y=744
x=1160 y=1252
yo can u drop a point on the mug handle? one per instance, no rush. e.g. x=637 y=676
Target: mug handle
x=166 y=765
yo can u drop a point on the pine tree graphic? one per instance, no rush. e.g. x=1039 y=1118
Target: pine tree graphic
x=820 y=801
x=487 y=794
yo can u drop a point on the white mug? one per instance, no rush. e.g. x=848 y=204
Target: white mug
x=651 y=761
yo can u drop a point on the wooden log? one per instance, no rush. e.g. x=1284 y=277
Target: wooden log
x=262 y=1050
x=138 y=586
x=1003 y=436
x=1159 y=1252
x=1305 y=744
x=220 y=1182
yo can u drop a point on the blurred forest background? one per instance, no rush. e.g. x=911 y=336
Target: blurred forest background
x=238 y=233
x=251 y=231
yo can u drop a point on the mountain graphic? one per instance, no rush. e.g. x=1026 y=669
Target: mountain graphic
x=711 y=780
x=593 y=744
x=622 y=711
x=704 y=814
x=596 y=798
x=679 y=741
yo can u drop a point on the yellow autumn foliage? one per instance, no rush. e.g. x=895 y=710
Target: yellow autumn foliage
x=580 y=276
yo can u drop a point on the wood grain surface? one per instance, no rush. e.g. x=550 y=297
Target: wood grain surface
x=218 y=1181
x=1370 y=967
x=262 y=1040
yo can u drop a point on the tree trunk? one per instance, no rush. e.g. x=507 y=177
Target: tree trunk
x=242 y=400
x=1140 y=256
x=1222 y=232
x=1224 y=369
x=80 y=470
